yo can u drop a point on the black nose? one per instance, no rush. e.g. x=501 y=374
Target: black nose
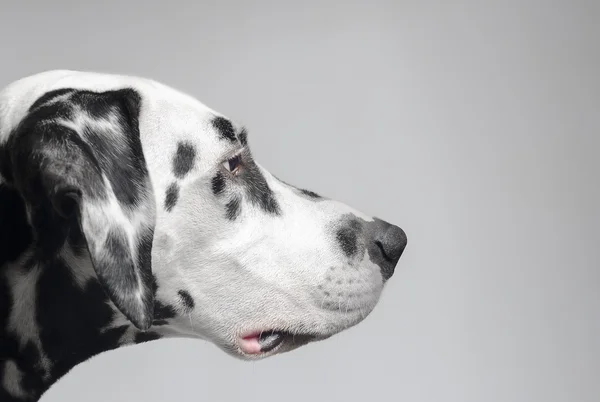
x=390 y=242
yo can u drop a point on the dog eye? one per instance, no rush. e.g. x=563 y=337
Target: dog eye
x=233 y=164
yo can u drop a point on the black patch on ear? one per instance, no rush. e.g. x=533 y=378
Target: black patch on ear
x=116 y=271
x=49 y=96
x=75 y=323
x=183 y=161
x=144 y=258
x=15 y=233
x=186 y=300
x=154 y=285
x=233 y=208
x=142 y=337
x=53 y=165
x=218 y=184
x=5 y=308
x=348 y=240
x=224 y=128
x=41 y=186
x=116 y=239
x=171 y=197
x=243 y=136
x=129 y=176
x=9 y=346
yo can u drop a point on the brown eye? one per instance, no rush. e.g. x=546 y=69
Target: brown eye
x=233 y=164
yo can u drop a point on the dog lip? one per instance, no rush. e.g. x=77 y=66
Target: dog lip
x=261 y=342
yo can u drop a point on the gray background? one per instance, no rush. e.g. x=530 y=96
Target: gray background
x=473 y=126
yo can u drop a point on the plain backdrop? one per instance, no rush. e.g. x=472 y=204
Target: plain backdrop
x=474 y=125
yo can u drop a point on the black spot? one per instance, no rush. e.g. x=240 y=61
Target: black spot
x=257 y=189
x=218 y=183
x=171 y=197
x=233 y=208
x=186 y=300
x=310 y=194
x=163 y=311
x=347 y=238
x=224 y=128
x=142 y=337
x=243 y=136
x=183 y=161
x=159 y=323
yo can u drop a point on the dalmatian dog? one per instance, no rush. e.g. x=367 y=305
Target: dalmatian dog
x=130 y=211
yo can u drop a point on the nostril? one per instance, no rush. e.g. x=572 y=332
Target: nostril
x=383 y=253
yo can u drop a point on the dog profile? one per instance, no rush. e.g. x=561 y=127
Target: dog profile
x=130 y=211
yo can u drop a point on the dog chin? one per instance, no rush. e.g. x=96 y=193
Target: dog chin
x=259 y=344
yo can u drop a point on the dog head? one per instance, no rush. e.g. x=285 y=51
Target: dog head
x=186 y=232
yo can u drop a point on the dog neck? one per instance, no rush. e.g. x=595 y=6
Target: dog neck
x=54 y=314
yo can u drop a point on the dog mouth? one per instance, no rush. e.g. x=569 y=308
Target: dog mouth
x=258 y=343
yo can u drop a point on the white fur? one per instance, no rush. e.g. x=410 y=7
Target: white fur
x=257 y=272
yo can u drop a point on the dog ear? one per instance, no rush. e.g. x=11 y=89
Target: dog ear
x=78 y=163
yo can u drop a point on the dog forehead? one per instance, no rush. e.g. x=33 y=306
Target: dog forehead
x=168 y=125
x=166 y=112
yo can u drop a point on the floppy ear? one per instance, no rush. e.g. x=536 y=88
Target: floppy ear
x=78 y=163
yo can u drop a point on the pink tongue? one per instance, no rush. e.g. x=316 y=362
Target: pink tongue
x=250 y=345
